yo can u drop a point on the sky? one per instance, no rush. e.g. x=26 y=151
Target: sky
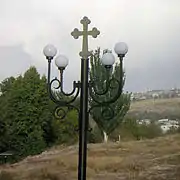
x=149 y=27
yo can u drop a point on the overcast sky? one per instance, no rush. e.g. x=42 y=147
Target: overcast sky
x=151 y=28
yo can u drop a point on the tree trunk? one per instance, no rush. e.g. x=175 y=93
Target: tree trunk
x=119 y=138
x=105 y=137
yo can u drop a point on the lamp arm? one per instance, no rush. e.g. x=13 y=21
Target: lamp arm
x=94 y=97
x=92 y=86
x=94 y=94
x=75 y=84
x=63 y=102
x=76 y=87
x=61 y=112
x=107 y=111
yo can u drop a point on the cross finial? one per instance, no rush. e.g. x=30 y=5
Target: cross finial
x=85 y=33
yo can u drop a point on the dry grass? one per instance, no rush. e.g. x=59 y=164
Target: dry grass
x=159 y=106
x=157 y=159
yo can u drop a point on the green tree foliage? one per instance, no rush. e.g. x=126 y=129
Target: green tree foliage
x=95 y=136
x=27 y=122
x=5 y=87
x=6 y=84
x=66 y=129
x=99 y=74
x=130 y=129
x=25 y=111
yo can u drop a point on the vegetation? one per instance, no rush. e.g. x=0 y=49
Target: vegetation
x=156 y=109
x=28 y=126
x=26 y=116
x=99 y=75
x=141 y=160
x=129 y=130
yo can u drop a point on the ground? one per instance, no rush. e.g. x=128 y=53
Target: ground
x=156 y=109
x=157 y=159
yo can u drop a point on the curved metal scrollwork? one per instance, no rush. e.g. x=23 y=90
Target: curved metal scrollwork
x=55 y=98
x=107 y=112
x=104 y=94
x=112 y=84
x=61 y=112
x=104 y=90
x=62 y=99
x=59 y=100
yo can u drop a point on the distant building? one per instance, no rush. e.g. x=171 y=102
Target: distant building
x=144 y=121
x=167 y=124
x=162 y=121
x=156 y=94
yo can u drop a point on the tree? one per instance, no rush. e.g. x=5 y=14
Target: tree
x=24 y=114
x=26 y=111
x=6 y=84
x=131 y=129
x=5 y=87
x=99 y=75
x=65 y=129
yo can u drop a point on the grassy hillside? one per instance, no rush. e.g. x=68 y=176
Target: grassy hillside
x=157 y=159
x=155 y=109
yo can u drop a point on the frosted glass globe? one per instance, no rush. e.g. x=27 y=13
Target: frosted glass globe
x=49 y=51
x=61 y=61
x=121 y=48
x=108 y=59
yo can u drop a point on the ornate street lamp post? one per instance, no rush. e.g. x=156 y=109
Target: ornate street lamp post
x=85 y=87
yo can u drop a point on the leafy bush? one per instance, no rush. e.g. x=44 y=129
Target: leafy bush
x=27 y=123
x=130 y=129
x=95 y=136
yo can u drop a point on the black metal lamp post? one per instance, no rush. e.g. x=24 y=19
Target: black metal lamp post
x=84 y=87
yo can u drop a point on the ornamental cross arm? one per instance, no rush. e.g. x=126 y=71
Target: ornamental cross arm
x=94 y=32
x=85 y=33
x=76 y=33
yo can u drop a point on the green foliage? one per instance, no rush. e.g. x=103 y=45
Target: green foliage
x=95 y=136
x=27 y=122
x=26 y=114
x=130 y=129
x=99 y=75
x=6 y=84
x=64 y=130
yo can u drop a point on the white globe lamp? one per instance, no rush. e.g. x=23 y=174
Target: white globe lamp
x=61 y=61
x=108 y=59
x=121 y=49
x=50 y=51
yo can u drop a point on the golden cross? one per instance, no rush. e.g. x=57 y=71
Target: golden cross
x=85 y=33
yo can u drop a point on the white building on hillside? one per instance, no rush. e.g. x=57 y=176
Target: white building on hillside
x=144 y=121
x=167 y=124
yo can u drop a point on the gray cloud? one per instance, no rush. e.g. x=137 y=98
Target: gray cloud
x=14 y=61
x=150 y=28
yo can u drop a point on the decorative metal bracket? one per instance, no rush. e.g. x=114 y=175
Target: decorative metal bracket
x=111 y=84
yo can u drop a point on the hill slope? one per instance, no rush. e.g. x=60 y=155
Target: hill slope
x=155 y=109
x=142 y=160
